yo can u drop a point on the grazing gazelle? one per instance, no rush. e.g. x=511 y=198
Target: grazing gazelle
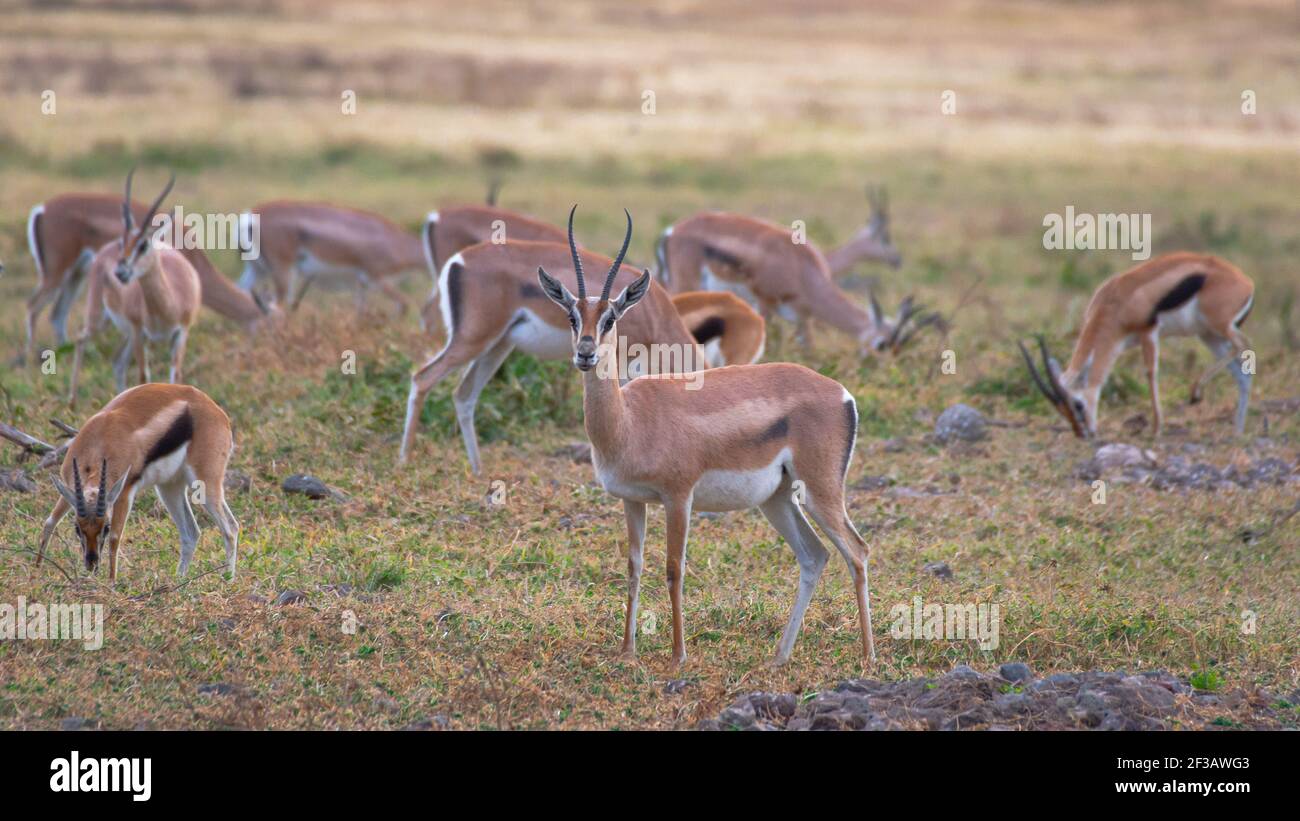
x=730 y=331
x=491 y=305
x=1181 y=294
x=302 y=242
x=778 y=437
x=147 y=288
x=761 y=262
x=172 y=438
x=65 y=232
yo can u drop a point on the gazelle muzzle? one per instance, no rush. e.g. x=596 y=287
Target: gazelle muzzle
x=1051 y=386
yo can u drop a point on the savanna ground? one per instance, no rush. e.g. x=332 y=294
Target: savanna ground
x=511 y=616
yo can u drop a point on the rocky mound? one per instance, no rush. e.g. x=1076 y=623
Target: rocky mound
x=1012 y=699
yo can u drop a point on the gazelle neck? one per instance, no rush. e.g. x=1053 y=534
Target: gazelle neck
x=602 y=407
x=836 y=308
x=844 y=257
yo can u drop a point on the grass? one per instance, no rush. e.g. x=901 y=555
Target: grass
x=509 y=616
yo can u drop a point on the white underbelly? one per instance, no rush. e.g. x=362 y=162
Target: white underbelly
x=616 y=485
x=533 y=336
x=166 y=470
x=1186 y=320
x=327 y=274
x=719 y=490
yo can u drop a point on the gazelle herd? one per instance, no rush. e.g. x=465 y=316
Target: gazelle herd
x=703 y=428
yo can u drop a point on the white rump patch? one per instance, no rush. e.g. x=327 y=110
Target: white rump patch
x=32 y=244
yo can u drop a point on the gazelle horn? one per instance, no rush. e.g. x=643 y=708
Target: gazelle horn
x=618 y=260
x=101 y=504
x=577 y=261
x=76 y=489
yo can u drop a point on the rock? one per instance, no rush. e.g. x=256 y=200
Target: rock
x=579 y=452
x=290 y=597
x=218 y=688
x=1012 y=703
x=872 y=483
x=1118 y=462
x=438 y=722
x=1061 y=680
x=237 y=482
x=940 y=570
x=964 y=672
x=960 y=423
x=72 y=723
x=311 y=487
x=738 y=716
x=896 y=445
x=676 y=686
x=1016 y=671
x=256 y=599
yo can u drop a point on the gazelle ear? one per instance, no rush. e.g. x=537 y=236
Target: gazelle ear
x=118 y=488
x=65 y=492
x=632 y=294
x=555 y=290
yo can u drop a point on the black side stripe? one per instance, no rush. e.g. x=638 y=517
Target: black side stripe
x=851 y=410
x=454 y=292
x=776 y=431
x=1179 y=296
x=178 y=435
x=709 y=330
x=722 y=256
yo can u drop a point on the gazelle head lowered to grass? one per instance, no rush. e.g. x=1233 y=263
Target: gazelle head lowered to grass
x=1077 y=405
x=593 y=319
x=892 y=333
x=138 y=252
x=92 y=514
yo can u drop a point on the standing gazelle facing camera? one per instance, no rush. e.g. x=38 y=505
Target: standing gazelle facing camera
x=778 y=437
x=172 y=438
x=1179 y=294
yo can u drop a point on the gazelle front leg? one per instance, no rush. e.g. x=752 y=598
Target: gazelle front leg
x=179 y=338
x=61 y=508
x=634 y=512
x=1151 y=356
x=679 y=521
x=121 y=510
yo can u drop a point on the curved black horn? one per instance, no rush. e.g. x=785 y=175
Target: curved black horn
x=126 y=203
x=577 y=262
x=153 y=209
x=618 y=260
x=1033 y=372
x=101 y=504
x=76 y=489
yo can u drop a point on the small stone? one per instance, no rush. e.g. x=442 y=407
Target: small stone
x=940 y=570
x=256 y=599
x=1016 y=671
x=237 y=482
x=219 y=688
x=1012 y=703
x=1060 y=680
x=896 y=445
x=738 y=716
x=72 y=723
x=960 y=423
x=290 y=597
x=676 y=686
x=963 y=672
x=311 y=487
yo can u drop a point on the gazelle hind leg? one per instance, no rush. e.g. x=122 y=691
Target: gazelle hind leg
x=214 y=502
x=179 y=338
x=471 y=384
x=35 y=304
x=1151 y=356
x=67 y=296
x=175 y=498
x=422 y=381
x=789 y=521
x=833 y=518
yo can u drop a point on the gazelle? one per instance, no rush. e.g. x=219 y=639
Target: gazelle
x=761 y=262
x=491 y=305
x=871 y=243
x=731 y=332
x=1180 y=294
x=168 y=437
x=65 y=232
x=302 y=242
x=778 y=437
x=147 y=288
